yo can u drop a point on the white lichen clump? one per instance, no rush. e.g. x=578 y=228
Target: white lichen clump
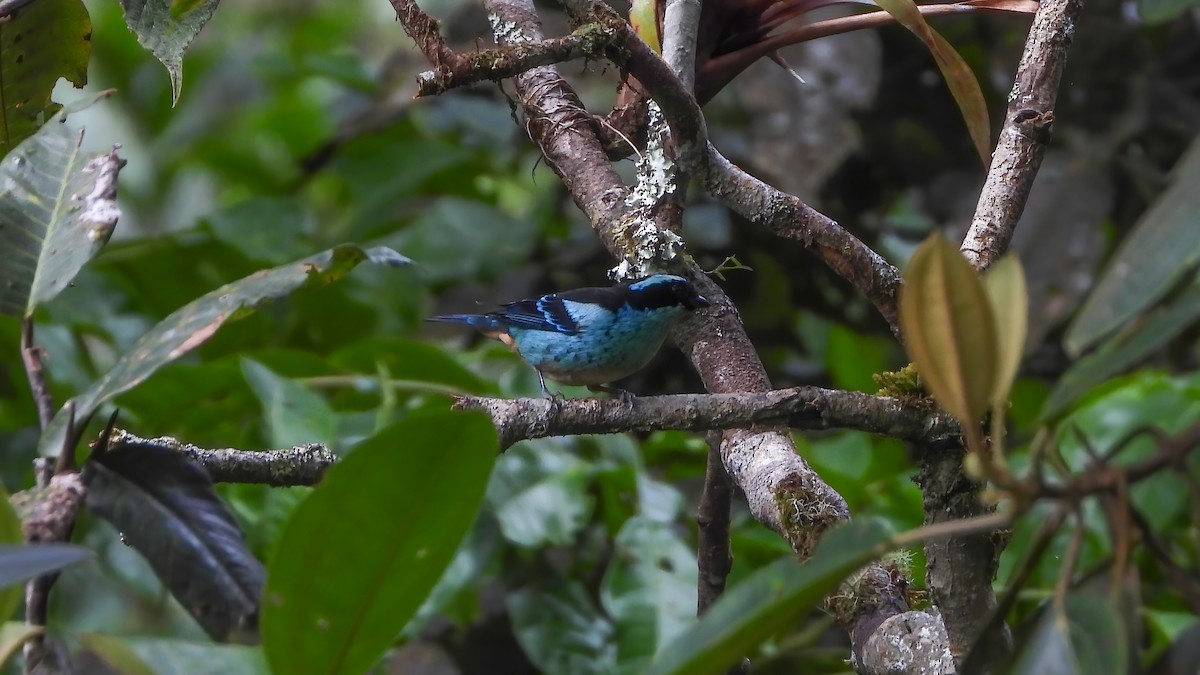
x=649 y=244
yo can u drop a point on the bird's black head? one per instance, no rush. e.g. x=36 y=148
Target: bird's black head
x=664 y=290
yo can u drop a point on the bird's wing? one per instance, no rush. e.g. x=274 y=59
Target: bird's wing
x=545 y=313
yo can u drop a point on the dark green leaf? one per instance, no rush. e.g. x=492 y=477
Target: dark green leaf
x=57 y=210
x=362 y=552
x=264 y=228
x=295 y=415
x=1162 y=11
x=1124 y=351
x=196 y=322
x=166 y=29
x=40 y=43
x=1082 y=635
x=562 y=631
x=538 y=494
x=1165 y=235
x=649 y=589
x=769 y=600
x=24 y=562
x=10 y=533
x=165 y=507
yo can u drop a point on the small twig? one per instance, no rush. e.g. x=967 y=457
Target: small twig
x=714 y=558
x=955 y=528
x=1070 y=558
x=31 y=356
x=1026 y=132
x=799 y=408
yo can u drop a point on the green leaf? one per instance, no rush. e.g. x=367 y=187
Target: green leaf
x=1082 y=635
x=643 y=16
x=770 y=600
x=196 y=322
x=165 y=507
x=649 y=589
x=949 y=329
x=361 y=553
x=57 y=210
x=1161 y=250
x=166 y=28
x=23 y=562
x=561 y=630
x=157 y=656
x=295 y=415
x=1005 y=286
x=13 y=634
x=40 y=43
x=10 y=533
x=1124 y=350
x=959 y=77
x=538 y=493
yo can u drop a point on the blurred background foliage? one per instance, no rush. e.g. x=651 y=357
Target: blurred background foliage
x=296 y=131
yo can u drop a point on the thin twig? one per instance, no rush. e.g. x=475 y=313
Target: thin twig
x=31 y=356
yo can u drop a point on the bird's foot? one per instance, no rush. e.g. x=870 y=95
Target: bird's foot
x=626 y=397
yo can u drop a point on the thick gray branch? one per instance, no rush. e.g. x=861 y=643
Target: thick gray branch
x=301 y=465
x=798 y=408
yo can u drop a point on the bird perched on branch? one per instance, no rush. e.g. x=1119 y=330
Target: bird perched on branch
x=589 y=336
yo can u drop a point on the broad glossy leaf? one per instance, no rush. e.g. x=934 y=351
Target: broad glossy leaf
x=1124 y=351
x=166 y=28
x=361 y=553
x=1162 y=249
x=19 y=563
x=40 y=43
x=539 y=494
x=193 y=324
x=769 y=600
x=57 y=210
x=949 y=329
x=156 y=656
x=294 y=413
x=10 y=534
x=1005 y=286
x=164 y=506
x=959 y=77
x=13 y=634
x=1083 y=635
x=649 y=589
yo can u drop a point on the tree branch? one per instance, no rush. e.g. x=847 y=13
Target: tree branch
x=300 y=465
x=798 y=408
x=1026 y=132
x=31 y=357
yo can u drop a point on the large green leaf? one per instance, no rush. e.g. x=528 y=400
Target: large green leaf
x=57 y=210
x=362 y=552
x=1083 y=635
x=196 y=322
x=166 y=28
x=561 y=630
x=1161 y=250
x=39 y=43
x=770 y=600
x=165 y=507
x=294 y=414
x=959 y=77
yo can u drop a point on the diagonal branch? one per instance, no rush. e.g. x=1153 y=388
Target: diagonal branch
x=1026 y=132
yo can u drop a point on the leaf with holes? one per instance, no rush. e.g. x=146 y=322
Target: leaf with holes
x=360 y=554
x=164 y=506
x=166 y=28
x=194 y=323
x=57 y=210
x=39 y=43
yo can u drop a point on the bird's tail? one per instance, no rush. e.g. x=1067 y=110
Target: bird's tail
x=483 y=322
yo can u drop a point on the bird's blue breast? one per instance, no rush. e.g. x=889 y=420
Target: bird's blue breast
x=607 y=346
